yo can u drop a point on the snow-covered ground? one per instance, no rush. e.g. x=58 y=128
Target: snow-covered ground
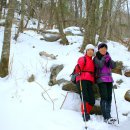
x=26 y=106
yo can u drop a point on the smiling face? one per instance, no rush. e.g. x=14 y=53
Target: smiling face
x=103 y=50
x=90 y=52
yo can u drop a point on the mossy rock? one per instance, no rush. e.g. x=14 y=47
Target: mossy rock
x=69 y=86
x=96 y=91
x=127 y=73
x=119 y=67
x=96 y=110
x=127 y=96
x=31 y=78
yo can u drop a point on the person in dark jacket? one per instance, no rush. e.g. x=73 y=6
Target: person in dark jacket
x=86 y=78
x=103 y=66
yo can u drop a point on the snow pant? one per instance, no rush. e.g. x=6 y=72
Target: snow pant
x=105 y=90
x=88 y=96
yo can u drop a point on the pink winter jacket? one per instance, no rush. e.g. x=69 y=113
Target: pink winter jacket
x=88 y=69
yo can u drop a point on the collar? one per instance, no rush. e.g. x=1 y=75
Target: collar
x=88 y=57
x=99 y=55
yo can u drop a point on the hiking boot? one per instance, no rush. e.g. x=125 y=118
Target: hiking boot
x=110 y=120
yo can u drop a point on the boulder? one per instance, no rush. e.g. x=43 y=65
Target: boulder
x=51 y=37
x=127 y=73
x=43 y=53
x=61 y=81
x=31 y=78
x=119 y=67
x=69 y=86
x=119 y=82
x=96 y=91
x=55 y=69
x=127 y=96
x=73 y=31
x=96 y=110
x=115 y=86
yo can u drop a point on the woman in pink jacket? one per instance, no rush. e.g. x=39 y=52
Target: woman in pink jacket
x=85 y=66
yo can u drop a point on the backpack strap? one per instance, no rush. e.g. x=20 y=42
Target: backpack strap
x=79 y=66
x=84 y=61
x=83 y=66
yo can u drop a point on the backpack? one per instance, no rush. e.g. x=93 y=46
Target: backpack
x=74 y=75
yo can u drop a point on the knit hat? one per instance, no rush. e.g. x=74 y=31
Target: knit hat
x=101 y=45
x=90 y=46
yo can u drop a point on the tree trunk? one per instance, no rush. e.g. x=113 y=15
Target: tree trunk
x=4 y=64
x=22 y=16
x=51 y=14
x=128 y=11
x=115 y=30
x=104 y=21
x=2 y=4
x=62 y=13
x=40 y=14
x=90 y=29
x=80 y=7
x=76 y=12
x=21 y=25
x=64 y=40
x=97 y=15
x=1 y=9
x=110 y=21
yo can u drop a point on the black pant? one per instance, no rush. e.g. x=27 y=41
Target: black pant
x=106 y=98
x=105 y=90
x=87 y=90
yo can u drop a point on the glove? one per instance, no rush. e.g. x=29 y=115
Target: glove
x=107 y=58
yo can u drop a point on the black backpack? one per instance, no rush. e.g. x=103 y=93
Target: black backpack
x=74 y=75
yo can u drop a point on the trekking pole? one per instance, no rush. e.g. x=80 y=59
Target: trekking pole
x=83 y=104
x=64 y=100
x=116 y=105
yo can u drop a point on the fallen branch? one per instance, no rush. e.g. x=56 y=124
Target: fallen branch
x=43 y=96
x=64 y=100
x=46 y=93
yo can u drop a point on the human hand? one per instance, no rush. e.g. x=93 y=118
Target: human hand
x=107 y=58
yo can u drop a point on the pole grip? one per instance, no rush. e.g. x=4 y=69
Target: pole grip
x=80 y=86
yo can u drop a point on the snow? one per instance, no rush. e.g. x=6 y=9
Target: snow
x=73 y=30
x=25 y=105
x=2 y=21
x=119 y=52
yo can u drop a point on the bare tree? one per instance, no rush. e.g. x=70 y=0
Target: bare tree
x=21 y=24
x=40 y=14
x=0 y=9
x=4 y=64
x=76 y=11
x=90 y=29
x=128 y=12
x=2 y=5
x=51 y=18
x=60 y=23
x=81 y=7
x=104 y=20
